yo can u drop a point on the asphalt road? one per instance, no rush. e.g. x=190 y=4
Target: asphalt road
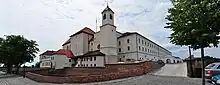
x=179 y=70
x=175 y=77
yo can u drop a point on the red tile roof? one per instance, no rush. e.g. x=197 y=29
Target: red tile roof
x=48 y=52
x=84 y=30
x=68 y=53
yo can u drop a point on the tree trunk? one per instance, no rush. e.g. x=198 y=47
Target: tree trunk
x=9 y=67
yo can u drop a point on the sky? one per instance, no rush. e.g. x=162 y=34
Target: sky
x=51 y=22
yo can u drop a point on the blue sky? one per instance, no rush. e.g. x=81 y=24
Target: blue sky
x=51 y=22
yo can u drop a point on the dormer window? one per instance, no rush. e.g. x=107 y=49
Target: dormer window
x=110 y=16
x=104 y=16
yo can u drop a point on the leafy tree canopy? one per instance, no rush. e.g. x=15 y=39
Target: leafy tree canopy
x=194 y=20
x=17 y=50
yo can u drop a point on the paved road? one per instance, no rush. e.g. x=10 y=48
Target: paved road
x=156 y=78
x=173 y=70
x=140 y=80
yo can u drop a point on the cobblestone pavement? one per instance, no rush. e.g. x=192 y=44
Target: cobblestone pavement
x=139 y=80
x=170 y=74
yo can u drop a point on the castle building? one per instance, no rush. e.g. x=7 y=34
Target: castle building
x=108 y=46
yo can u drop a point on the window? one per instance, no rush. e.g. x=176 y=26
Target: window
x=119 y=43
x=139 y=47
x=128 y=41
x=94 y=64
x=94 y=58
x=69 y=60
x=119 y=49
x=91 y=65
x=145 y=49
x=148 y=50
x=86 y=65
x=142 y=41
x=90 y=58
x=91 y=49
x=128 y=48
x=91 y=44
x=104 y=16
x=142 y=48
x=139 y=40
x=87 y=59
x=111 y=16
x=210 y=66
x=120 y=59
x=145 y=43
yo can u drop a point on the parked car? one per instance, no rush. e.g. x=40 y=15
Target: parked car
x=212 y=70
x=215 y=80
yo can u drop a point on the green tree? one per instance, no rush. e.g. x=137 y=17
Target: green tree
x=17 y=50
x=194 y=23
x=188 y=15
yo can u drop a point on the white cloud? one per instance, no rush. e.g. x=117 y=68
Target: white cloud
x=50 y=22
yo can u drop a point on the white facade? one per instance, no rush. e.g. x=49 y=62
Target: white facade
x=61 y=61
x=108 y=39
x=56 y=59
x=117 y=47
x=81 y=46
x=47 y=61
x=93 y=61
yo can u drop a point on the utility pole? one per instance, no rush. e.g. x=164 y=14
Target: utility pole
x=190 y=62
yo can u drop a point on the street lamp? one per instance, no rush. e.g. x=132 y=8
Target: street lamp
x=24 y=70
x=190 y=62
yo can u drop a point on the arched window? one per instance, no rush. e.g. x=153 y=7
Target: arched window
x=98 y=46
x=110 y=16
x=104 y=16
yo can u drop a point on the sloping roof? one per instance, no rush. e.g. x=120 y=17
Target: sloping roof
x=67 y=42
x=68 y=53
x=48 y=52
x=92 y=53
x=127 y=34
x=130 y=33
x=84 y=30
x=107 y=9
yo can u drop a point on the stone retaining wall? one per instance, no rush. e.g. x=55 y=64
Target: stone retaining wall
x=85 y=75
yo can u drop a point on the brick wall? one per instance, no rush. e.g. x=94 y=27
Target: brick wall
x=85 y=75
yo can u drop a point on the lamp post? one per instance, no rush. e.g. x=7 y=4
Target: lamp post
x=24 y=70
x=190 y=62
